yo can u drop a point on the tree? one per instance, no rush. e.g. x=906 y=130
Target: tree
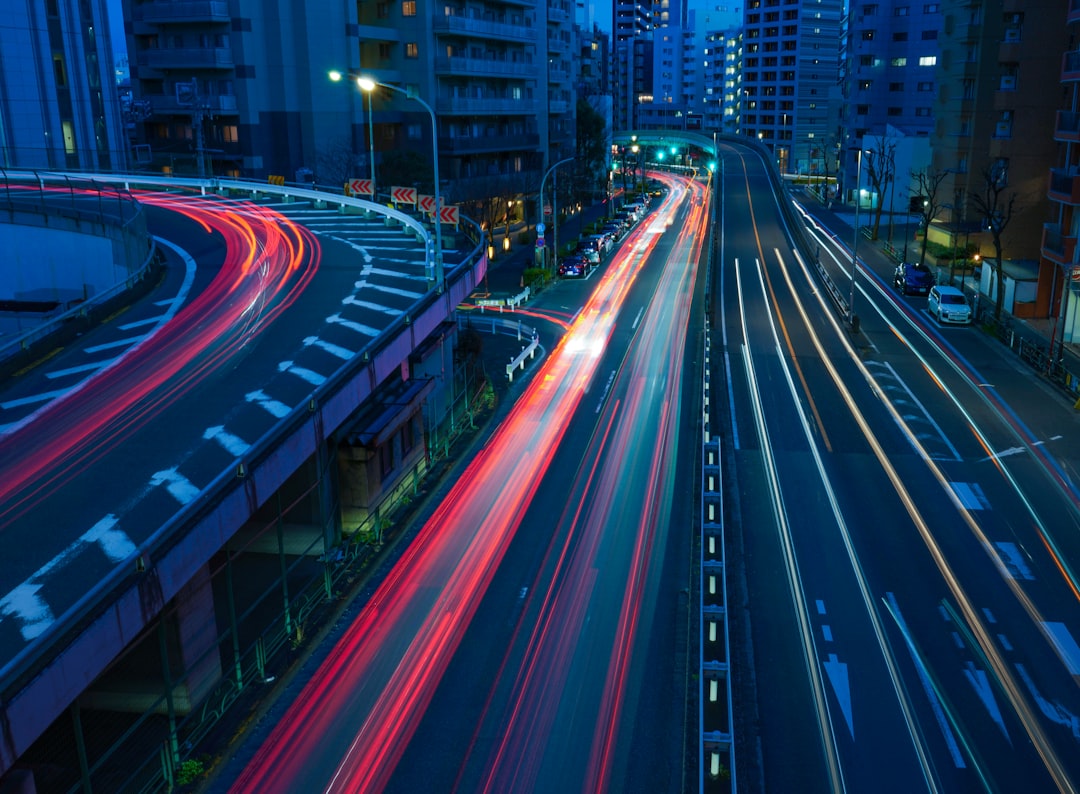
x=997 y=210
x=880 y=170
x=926 y=198
x=335 y=162
x=406 y=169
x=591 y=155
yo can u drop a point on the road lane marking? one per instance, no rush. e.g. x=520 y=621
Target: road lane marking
x=33 y=398
x=985 y=690
x=277 y=409
x=838 y=676
x=970 y=495
x=182 y=489
x=1064 y=644
x=140 y=323
x=234 y=445
x=312 y=377
x=110 y=345
x=1012 y=562
x=332 y=349
x=63 y=373
x=366 y=330
x=927 y=684
x=32 y=611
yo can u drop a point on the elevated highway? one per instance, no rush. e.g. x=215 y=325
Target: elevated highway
x=304 y=355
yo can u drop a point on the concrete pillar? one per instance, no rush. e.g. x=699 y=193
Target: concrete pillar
x=197 y=633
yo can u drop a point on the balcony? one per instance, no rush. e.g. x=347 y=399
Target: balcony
x=480 y=67
x=181 y=13
x=1070 y=66
x=1064 y=187
x=1056 y=246
x=1067 y=127
x=464 y=106
x=558 y=76
x=489 y=143
x=558 y=46
x=187 y=58
x=556 y=107
x=167 y=105
x=483 y=28
x=558 y=15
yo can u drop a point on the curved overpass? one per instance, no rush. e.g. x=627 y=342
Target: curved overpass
x=144 y=473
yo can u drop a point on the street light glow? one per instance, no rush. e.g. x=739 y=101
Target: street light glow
x=366 y=83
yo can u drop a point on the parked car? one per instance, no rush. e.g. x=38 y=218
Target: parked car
x=949 y=305
x=589 y=252
x=572 y=266
x=913 y=278
x=603 y=241
x=614 y=229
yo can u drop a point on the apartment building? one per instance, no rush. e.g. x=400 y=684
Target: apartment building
x=1058 y=292
x=790 y=68
x=994 y=117
x=59 y=106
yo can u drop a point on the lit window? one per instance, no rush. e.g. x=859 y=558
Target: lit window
x=412 y=49
x=928 y=60
x=408 y=8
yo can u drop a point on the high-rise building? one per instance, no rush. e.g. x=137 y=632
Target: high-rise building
x=790 y=70
x=993 y=115
x=59 y=105
x=241 y=88
x=1058 y=294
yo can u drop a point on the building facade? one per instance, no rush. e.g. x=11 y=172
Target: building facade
x=59 y=105
x=790 y=77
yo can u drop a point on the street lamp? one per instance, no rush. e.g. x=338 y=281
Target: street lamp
x=555 y=214
x=368 y=84
x=852 y=319
x=336 y=76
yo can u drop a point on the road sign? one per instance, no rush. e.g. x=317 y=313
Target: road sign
x=540 y=242
x=540 y=229
x=403 y=195
x=425 y=203
x=547 y=210
x=449 y=215
x=358 y=187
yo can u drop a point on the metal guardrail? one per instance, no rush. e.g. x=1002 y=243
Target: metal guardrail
x=17 y=671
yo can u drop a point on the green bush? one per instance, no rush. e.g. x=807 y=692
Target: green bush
x=190 y=771
x=534 y=277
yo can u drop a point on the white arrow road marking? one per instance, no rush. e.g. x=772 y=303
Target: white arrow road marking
x=63 y=373
x=838 y=677
x=927 y=684
x=177 y=484
x=366 y=330
x=985 y=690
x=25 y=605
x=334 y=350
x=276 y=408
x=375 y=307
x=23 y=602
x=1052 y=711
x=234 y=445
x=314 y=378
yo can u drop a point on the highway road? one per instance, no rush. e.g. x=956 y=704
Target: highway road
x=906 y=546
x=515 y=644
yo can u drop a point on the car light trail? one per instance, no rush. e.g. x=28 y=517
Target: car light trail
x=349 y=726
x=269 y=262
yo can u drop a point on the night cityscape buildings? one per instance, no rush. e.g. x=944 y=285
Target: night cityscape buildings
x=986 y=94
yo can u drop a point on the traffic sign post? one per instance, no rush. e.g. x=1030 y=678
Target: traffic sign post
x=403 y=195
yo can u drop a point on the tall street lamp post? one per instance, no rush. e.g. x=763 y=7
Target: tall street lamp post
x=368 y=84
x=336 y=76
x=852 y=318
x=554 y=215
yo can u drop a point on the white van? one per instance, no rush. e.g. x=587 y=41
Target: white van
x=949 y=305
